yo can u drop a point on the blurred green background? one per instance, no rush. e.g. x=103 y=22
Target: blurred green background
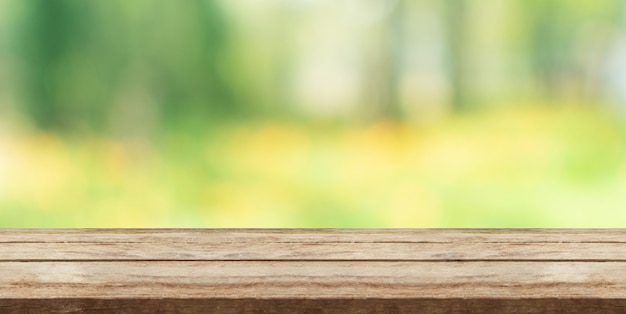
x=312 y=113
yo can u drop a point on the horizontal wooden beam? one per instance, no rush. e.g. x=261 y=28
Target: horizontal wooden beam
x=313 y=270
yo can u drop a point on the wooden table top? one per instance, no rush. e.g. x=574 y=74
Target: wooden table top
x=313 y=270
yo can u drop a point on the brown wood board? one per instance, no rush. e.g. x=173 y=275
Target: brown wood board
x=313 y=270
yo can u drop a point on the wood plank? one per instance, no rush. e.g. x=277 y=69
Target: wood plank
x=174 y=250
x=318 y=306
x=315 y=235
x=315 y=244
x=313 y=280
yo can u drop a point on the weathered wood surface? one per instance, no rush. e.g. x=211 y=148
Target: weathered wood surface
x=313 y=271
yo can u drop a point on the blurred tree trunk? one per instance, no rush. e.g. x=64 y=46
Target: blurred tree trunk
x=280 y=100
x=547 y=55
x=186 y=51
x=53 y=33
x=392 y=61
x=384 y=64
x=456 y=21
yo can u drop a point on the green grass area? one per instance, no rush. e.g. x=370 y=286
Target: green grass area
x=529 y=167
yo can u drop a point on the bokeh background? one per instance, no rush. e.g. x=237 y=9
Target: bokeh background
x=312 y=113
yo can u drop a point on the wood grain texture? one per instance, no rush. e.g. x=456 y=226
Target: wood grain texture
x=312 y=244
x=313 y=271
x=330 y=306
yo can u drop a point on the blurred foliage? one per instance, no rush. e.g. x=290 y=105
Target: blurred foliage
x=530 y=167
x=91 y=63
x=312 y=113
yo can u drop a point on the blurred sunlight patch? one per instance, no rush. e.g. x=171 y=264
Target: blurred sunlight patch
x=528 y=167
